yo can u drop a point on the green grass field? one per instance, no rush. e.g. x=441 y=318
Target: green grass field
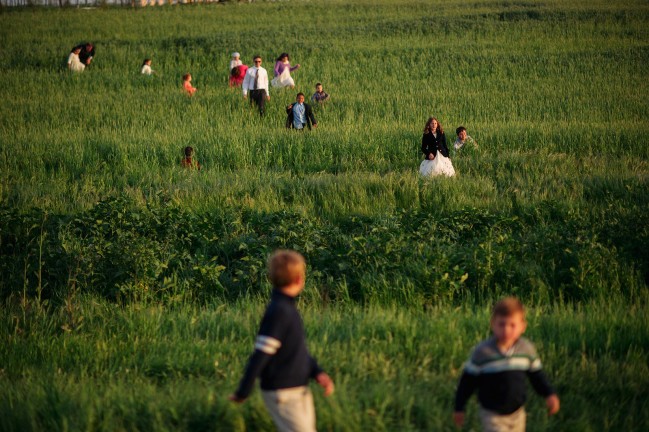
x=132 y=288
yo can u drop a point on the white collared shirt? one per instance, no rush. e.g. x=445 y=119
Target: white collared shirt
x=249 y=80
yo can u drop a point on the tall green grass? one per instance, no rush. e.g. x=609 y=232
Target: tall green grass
x=132 y=288
x=152 y=368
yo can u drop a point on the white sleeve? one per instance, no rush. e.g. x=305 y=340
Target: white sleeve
x=246 y=83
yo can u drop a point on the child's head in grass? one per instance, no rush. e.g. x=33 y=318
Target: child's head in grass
x=187 y=77
x=461 y=133
x=508 y=321
x=146 y=62
x=189 y=151
x=318 y=87
x=287 y=271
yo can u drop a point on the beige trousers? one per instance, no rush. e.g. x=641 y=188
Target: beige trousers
x=292 y=409
x=494 y=422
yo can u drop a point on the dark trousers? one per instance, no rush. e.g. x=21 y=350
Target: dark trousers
x=259 y=97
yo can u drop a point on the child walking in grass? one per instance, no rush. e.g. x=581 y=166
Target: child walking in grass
x=146 y=67
x=187 y=84
x=498 y=369
x=320 y=95
x=281 y=357
x=74 y=64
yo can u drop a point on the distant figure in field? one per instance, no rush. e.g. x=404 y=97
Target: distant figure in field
x=434 y=148
x=74 y=64
x=189 y=161
x=235 y=61
x=499 y=368
x=281 y=356
x=86 y=53
x=283 y=71
x=463 y=139
x=187 y=84
x=320 y=95
x=237 y=74
x=146 y=67
x=256 y=82
x=300 y=114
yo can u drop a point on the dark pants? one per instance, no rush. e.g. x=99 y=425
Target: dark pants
x=259 y=97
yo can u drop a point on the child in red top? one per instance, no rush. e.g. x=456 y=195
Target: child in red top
x=187 y=84
x=188 y=161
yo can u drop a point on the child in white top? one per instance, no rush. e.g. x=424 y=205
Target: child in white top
x=146 y=67
x=463 y=139
x=235 y=61
x=74 y=64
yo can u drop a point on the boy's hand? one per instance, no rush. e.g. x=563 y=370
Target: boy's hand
x=553 y=404
x=236 y=399
x=326 y=383
x=458 y=418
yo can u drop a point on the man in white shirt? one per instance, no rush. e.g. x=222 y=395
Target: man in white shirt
x=256 y=82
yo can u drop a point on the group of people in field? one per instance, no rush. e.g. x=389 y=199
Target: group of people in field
x=497 y=369
x=255 y=83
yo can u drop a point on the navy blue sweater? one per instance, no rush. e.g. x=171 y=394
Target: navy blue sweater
x=281 y=357
x=500 y=378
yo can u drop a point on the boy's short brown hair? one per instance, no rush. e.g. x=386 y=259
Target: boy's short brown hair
x=507 y=307
x=285 y=267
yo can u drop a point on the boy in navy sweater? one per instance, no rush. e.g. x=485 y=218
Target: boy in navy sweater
x=498 y=369
x=281 y=357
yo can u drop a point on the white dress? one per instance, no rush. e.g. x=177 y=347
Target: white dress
x=74 y=63
x=441 y=165
x=284 y=79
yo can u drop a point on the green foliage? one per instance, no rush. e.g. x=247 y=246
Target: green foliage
x=162 y=251
x=395 y=368
x=132 y=288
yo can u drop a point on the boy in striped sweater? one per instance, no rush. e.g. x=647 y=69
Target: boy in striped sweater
x=499 y=368
x=281 y=357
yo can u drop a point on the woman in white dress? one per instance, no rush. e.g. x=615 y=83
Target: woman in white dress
x=434 y=148
x=283 y=71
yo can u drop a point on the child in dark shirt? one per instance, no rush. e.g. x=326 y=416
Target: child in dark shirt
x=498 y=369
x=281 y=357
x=320 y=95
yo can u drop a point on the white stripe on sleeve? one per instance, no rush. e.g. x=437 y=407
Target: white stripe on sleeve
x=267 y=344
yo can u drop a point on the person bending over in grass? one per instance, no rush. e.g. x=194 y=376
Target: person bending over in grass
x=86 y=53
x=463 y=139
x=498 y=369
x=281 y=357
x=237 y=74
x=187 y=84
x=433 y=146
x=300 y=114
x=189 y=161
